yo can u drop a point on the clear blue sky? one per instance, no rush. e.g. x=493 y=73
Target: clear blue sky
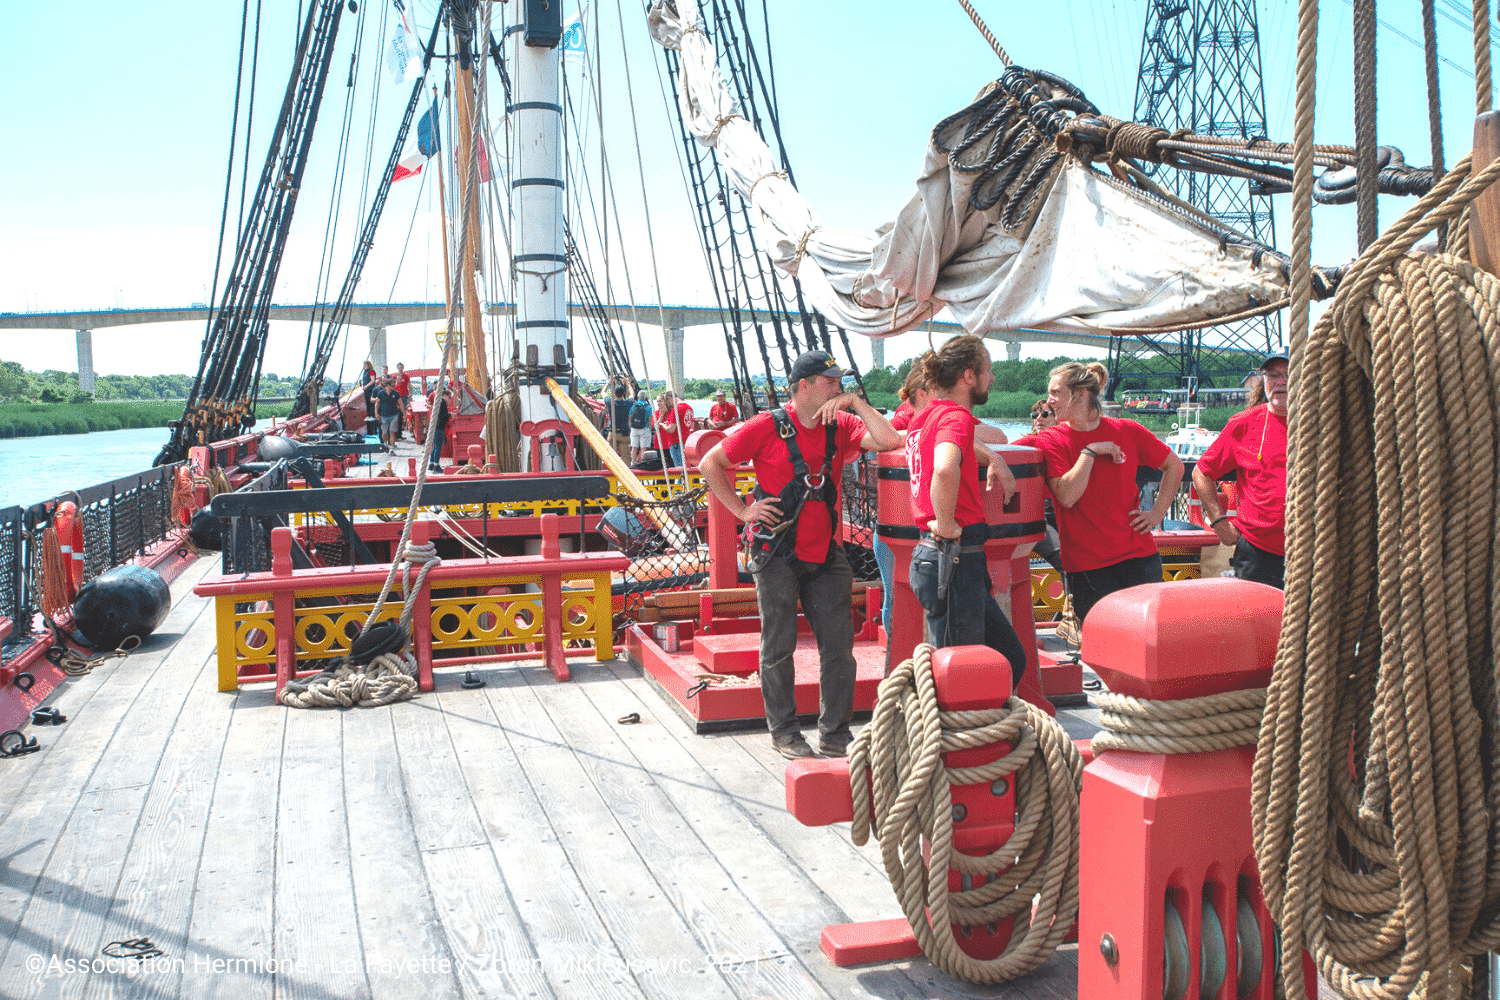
x=119 y=124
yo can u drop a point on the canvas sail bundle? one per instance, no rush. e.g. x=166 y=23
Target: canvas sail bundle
x=1004 y=230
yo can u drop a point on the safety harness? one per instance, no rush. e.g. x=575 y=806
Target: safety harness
x=763 y=542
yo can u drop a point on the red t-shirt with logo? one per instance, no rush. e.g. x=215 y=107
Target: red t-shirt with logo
x=403 y=384
x=684 y=419
x=722 y=412
x=943 y=421
x=1253 y=446
x=756 y=441
x=1096 y=530
x=902 y=418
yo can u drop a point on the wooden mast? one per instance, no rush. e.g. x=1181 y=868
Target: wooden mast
x=476 y=369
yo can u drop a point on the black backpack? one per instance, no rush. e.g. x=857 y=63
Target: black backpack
x=640 y=415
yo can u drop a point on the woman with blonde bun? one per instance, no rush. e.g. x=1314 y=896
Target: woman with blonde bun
x=1090 y=463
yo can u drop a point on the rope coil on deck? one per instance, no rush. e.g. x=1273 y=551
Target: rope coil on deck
x=901 y=750
x=1381 y=720
x=1187 y=725
x=389 y=677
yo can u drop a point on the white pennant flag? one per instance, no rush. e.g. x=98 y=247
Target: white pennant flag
x=405 y=56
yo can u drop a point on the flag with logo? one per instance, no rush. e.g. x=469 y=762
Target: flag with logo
x=572 y=35
x=405 y=55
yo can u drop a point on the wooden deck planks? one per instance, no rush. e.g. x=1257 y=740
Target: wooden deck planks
x=404 y=950
x=573 y=950
x=230 y=936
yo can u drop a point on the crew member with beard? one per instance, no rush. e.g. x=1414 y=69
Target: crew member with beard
x=1252 y=448
x=948 y=507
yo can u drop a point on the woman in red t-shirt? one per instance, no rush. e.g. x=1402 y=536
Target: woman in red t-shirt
x=1091 y=462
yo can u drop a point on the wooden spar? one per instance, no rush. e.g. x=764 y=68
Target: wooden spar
x=476 y=369
x=628 y=482
x=443 y=212
x=1484 y=223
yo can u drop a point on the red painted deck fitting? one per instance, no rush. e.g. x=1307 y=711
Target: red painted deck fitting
x=730 y=654
x=870 y=941
x=720 y=707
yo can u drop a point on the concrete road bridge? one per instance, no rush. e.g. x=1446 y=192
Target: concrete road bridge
x=675 y=321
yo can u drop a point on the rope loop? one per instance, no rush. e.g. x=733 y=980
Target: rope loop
x=1187 y=725
x=719 y=123
x=750 y=195
x=896 y=763
x=801 y=250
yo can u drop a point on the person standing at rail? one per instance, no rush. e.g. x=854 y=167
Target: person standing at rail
x=913 y=397
x=403 y=388
x=673 y=424
x=723 y=413
x=948 y=507
x=640 y=426
x=618 y=420
x=1252 y=447
x=799 y=452
x=367 y=383
x=1090 y=463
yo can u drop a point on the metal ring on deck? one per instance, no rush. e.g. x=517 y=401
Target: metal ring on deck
x=24 y=680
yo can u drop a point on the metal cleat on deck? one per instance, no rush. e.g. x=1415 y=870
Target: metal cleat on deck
x=1171 y=903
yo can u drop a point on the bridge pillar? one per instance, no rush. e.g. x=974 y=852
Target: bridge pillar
x=877 y=352
x=676 y=336
x=1012 y=350
x=377 y=346
x=86 y=360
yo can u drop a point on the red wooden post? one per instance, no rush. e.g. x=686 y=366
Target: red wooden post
x=552 y=609
x=723 y=561
x=283 y=601
x=476 y=455
x=421 y=615
x=706 y=614
x=411 y=467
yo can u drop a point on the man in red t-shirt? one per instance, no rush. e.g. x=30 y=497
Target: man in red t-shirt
x=403 y=389
x=1252 y=447
x=795 y=523
x=948 y=507
x=723 y=413
x=674 y=422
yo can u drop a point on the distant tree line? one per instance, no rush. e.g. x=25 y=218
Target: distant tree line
x=18 y=385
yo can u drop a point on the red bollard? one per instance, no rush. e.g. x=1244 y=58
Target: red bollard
x=1170 y=904
x=700 y=443
x=1015 y=528
x=818 y=794
x=895 y=526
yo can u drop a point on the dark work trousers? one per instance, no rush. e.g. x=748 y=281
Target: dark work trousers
x=968 y=615
x=824 y=595
x=1089 y=586
x=1258 y=565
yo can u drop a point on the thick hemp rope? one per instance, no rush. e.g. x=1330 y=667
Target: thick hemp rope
x=900 y=751
x=389 y=677
x=1187 y=725
x=1380 y=721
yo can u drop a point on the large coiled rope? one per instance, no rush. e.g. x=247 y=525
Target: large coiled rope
x=1380 y=721
x=388 y=677
x=1184 y=725
x=900 y=753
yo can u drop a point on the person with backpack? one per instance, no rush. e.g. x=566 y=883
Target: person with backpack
x=640 y=426
x=617 y=417
x=791 y=529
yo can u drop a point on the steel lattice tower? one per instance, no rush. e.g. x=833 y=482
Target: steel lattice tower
x=1200 y=70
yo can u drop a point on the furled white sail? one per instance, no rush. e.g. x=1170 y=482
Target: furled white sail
x=1098 y=254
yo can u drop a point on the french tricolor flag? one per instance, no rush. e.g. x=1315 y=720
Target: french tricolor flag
x=419 y=147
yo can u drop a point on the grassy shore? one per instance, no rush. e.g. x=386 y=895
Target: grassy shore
x=42 y=419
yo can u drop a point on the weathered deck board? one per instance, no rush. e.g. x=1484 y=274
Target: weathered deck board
x=553 y=904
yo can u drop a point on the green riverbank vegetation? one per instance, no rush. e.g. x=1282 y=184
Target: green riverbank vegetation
x=40 y=419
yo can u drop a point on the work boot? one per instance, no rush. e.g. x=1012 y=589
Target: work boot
x=835 y=744
x=792 y=746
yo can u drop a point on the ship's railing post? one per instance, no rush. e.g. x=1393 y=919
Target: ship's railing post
x=421 y=615
x=723 y=561
x=283 y=604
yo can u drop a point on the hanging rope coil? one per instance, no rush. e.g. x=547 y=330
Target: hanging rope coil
x=1380 y=723
x=389 y=676
x=899 y=754
x=1188 y=725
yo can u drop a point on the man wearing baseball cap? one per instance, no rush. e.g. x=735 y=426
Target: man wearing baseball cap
x=723 y=413
x=791 y=529
x=1252 y=449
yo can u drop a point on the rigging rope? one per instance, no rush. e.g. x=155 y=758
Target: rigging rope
x=1381 y=717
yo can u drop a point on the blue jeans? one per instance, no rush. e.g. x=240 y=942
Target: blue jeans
x=675 y=451
x=968 y=615
x=437 y=446
x=886 y=560
x=1090 y=586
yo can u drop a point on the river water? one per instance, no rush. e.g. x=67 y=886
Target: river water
x=34 y=469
